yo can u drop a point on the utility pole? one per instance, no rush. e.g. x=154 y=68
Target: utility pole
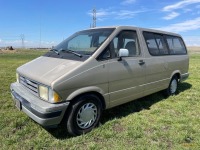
x=22 y=38
x=94 y=18
x=40 y=33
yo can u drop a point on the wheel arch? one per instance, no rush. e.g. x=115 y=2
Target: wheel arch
x=88 y=90
x=176 y=73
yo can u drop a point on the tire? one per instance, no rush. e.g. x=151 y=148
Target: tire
x=173 y=86
x=84 y=115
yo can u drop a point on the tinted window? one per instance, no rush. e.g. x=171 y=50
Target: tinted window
x=175 y=45
x=161 y=44
x=155 y=43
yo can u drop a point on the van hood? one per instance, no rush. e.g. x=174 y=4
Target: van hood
x=47 y=69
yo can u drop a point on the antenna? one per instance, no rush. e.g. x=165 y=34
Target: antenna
x=94 y=18
x=22 y=38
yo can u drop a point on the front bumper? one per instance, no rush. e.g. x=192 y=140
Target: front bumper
x=42 y=112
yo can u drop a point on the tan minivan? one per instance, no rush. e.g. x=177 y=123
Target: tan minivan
x=97 y=69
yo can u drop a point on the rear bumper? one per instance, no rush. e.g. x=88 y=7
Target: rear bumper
x=184 y=77
x=42 y=112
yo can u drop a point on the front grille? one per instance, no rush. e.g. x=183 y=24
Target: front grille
x=29 y=84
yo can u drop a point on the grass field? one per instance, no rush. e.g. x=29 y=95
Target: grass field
x=153 y=122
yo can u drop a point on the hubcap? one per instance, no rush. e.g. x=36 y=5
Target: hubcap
x=86 y=115
x=173 y=86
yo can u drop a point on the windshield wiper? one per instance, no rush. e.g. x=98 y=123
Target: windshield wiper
x=72 y=52
x=66 y=51
x=55 y=51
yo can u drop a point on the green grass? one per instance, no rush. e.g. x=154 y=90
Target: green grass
x=153 y=122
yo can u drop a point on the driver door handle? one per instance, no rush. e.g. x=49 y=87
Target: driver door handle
x=141 y=62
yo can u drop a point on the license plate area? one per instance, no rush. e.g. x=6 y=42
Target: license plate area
x=18 y=104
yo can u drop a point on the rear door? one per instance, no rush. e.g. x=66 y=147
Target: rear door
x=157 y=76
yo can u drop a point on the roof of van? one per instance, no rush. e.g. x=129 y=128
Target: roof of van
x=142 y=29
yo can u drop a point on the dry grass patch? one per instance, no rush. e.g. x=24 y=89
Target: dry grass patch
x=7 y=51
x=193 y=49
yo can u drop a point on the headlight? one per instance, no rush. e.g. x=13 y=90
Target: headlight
x=44 y=92
x=48 y=94
x=17 y=77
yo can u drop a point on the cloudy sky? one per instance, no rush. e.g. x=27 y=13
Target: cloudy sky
x=46 y=23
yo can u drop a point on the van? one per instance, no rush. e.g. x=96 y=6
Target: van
x=97 y=69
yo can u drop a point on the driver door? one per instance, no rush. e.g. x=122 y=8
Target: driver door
x=126 y=76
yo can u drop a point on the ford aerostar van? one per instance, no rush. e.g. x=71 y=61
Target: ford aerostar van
x=97 y=69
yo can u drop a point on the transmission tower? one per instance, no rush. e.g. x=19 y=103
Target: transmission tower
x=94 y=18
x=22 y=38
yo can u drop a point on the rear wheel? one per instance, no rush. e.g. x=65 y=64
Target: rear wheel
x=84 y=115
x=173 y=85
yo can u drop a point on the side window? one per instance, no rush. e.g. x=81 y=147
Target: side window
x=175 y=45
x=125 y=39
x=161 y=44
x=115 y=44
x=151 y=43
x=128 y=40
x=155 y=43
x=105 y=54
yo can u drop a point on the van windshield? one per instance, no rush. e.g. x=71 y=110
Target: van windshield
x=85 y=42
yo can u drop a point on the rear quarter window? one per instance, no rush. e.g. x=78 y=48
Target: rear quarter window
x=176 y=45
x=162 y=44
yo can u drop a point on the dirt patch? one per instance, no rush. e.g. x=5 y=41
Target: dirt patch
x=7 y=51
x=118 y=128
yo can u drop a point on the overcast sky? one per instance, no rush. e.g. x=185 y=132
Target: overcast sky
x=51 y=21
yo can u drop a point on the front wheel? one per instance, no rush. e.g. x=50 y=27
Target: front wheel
x=173 y=86
x=84 y=115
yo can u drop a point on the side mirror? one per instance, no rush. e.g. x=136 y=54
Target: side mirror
x=123 y=53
